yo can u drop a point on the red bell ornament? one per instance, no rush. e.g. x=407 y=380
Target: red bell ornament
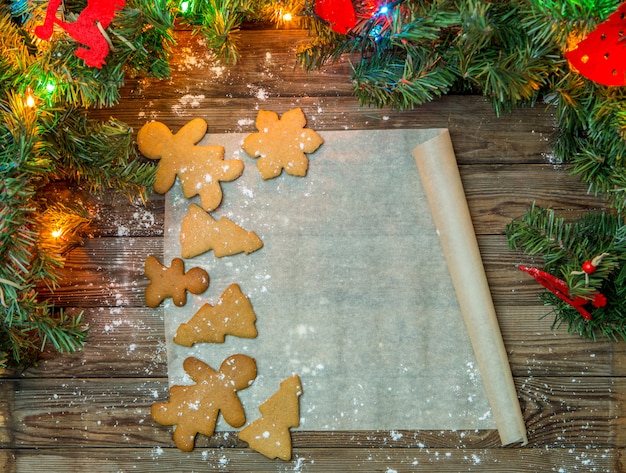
x=601 y=56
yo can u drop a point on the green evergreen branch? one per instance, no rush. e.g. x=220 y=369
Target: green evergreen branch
x=141 y=35
x=564 y=247
x=6 y=282
x=54 y=139
x=510 y=51
x=219 y=22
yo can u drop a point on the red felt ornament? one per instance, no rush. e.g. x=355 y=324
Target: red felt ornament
x=339 y=14
x=88 y=29
x=601 y=56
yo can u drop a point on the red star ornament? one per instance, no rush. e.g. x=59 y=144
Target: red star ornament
x=338 y=13
x=601 y=56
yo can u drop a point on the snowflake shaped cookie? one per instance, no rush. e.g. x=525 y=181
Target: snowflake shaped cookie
x=282 y=143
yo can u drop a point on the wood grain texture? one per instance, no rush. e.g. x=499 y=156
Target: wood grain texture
x=331 y=459
x=90 y=411
x=102 y=412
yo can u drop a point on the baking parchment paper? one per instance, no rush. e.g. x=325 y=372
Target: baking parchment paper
x=351 y=290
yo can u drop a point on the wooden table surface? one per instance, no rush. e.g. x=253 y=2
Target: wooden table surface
x=91 y=412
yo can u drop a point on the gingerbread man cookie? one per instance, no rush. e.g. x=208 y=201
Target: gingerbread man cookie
x=282 y=143
x=200 y=169
x=194 y=409
x=173 y=281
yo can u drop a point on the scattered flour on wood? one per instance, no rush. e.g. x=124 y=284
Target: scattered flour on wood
x=186 y=102
x=258 y=92
x=190 y=60
x=148 y=112
x=244 y=124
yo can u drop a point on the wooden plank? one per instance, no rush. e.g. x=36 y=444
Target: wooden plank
x=109 y=272
x=581 y=411
x=535 y=348
x=106 y=272
x=478 y=136
x=496 y=194
x=112 y=213
x=313 y=460
x=266 y=62
x=129 y=342
x=122 y=342
x=118 y=216
x=7 y=397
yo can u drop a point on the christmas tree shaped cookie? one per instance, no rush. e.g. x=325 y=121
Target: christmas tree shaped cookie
x=282 y=143
x=232 y=315
x=194 y=409
x=270 y=434
x=201 y=233
x=199 y=168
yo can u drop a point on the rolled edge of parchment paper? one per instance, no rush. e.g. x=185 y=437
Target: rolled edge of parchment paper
x=442 y=184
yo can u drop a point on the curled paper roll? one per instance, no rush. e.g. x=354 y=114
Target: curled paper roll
x=442 y=184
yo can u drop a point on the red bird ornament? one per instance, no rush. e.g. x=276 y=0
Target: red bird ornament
x=87 y=29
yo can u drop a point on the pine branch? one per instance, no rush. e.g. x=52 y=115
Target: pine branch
x=565 y=247
x=219 y=22
x=141 y=37
x=53 y=139
x=29 y=325
x=14 y=66
x=402 y=84
x=98 y=155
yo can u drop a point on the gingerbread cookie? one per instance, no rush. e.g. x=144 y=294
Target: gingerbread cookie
x=270 y=434
x=200 y=169
x=194 y=409
x=201 y=233
x=172 y=282
x=232 y=315
x=282 y=143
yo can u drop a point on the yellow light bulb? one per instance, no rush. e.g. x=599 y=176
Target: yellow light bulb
x=57 y=233
x=287 y=17
x=30 y=98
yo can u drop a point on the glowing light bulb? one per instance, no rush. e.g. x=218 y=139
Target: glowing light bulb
x=56 y=233
x=50 y=87
x=376 y=32
x=383 y=10
x=287 y=17
x=184 y=6
x=30 y=98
